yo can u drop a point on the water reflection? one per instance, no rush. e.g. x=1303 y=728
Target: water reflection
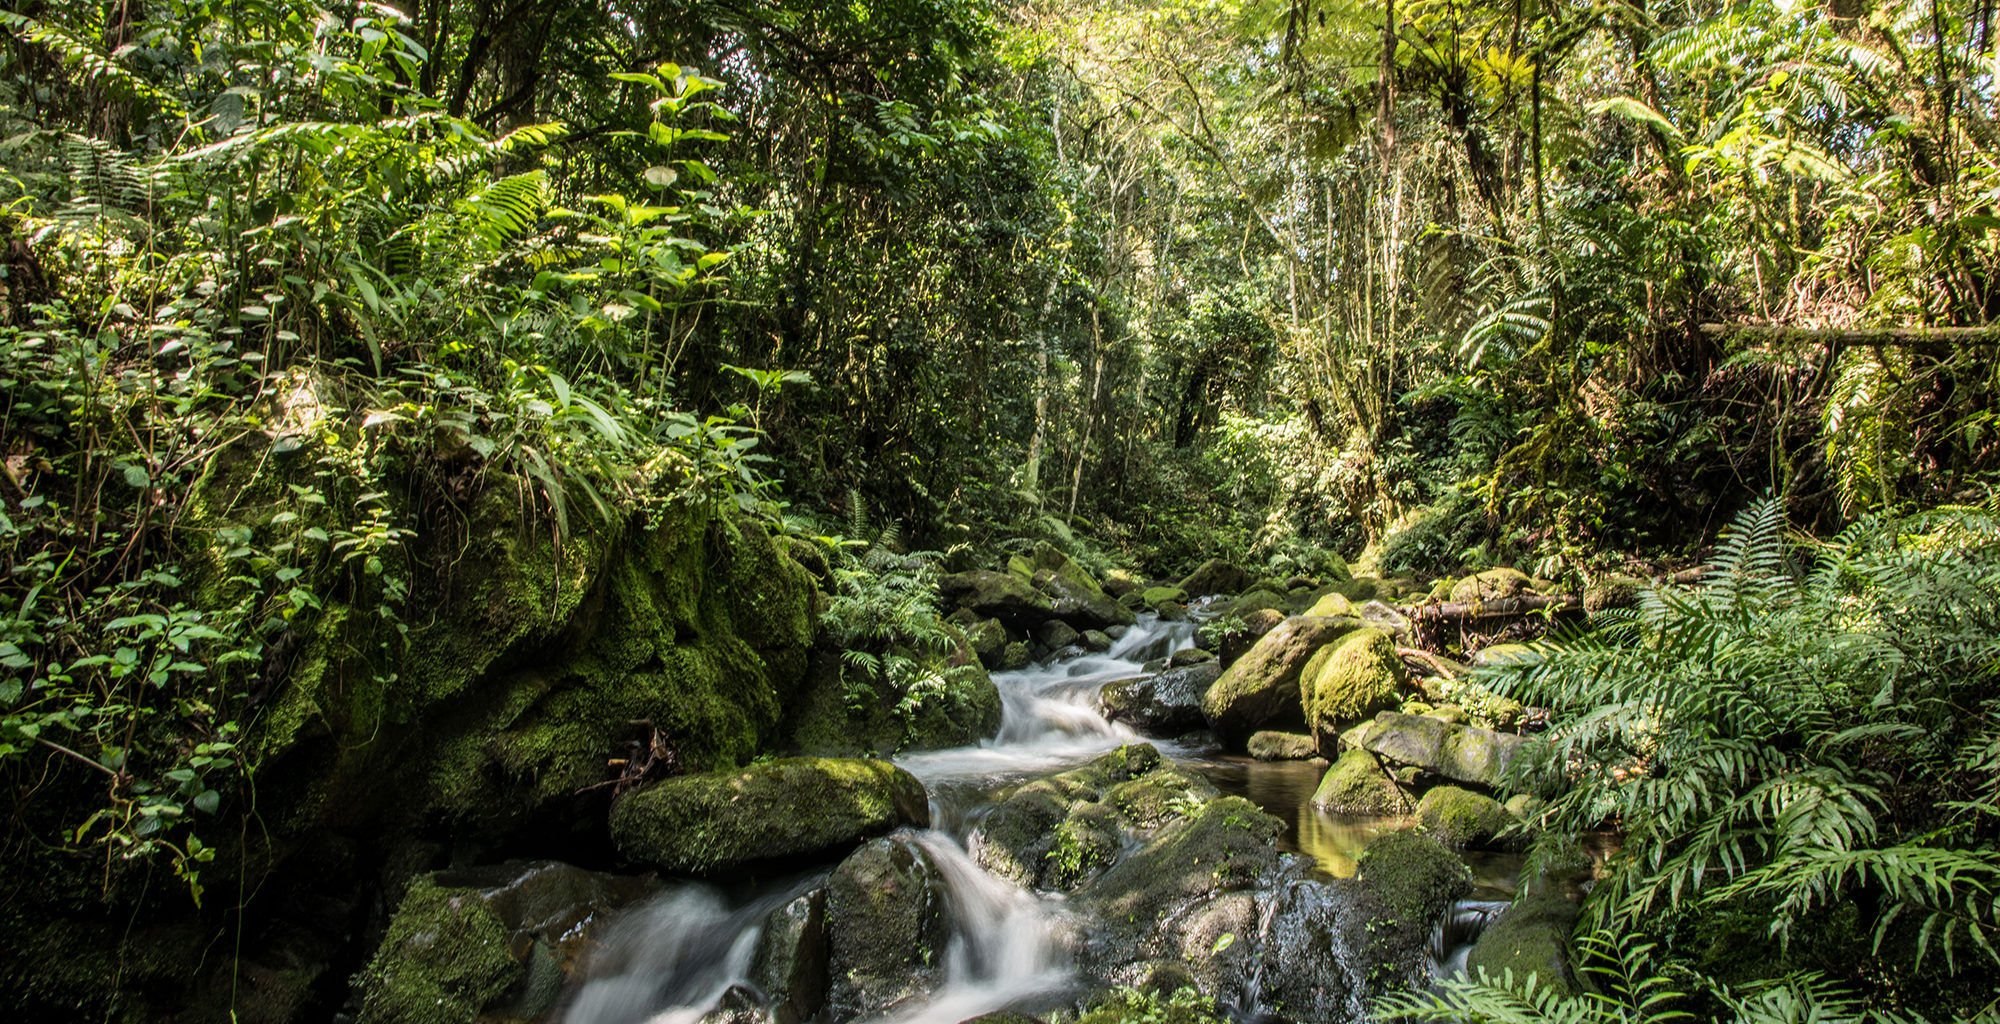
x=1285 y=790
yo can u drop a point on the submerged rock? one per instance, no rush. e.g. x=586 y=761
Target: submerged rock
x=790 y=808
x=888 y=922
x=1261 y=689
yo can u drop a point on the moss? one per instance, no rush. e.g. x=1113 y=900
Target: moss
x=790 y=808
x=1461 y=817
x=1227 y=844
x=1153 y=597
x=1612 y=592
x=1255 y=601
x=1530 y=938
x=1330 y=606
x=1491 y=585
x=1281 y=746
x=1261 y=689
x=1356 y=784
x=444 y=959
x=1358 y=589
x=1083 y=844
x=1351 y=680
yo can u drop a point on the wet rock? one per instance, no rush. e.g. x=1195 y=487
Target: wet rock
x=1172 y=611
x=1309 y=973
x=1154 y=597
x=1014 y=840
x=1169 y=900
x=997 y=595
x=1491 y=585
x=1356 y=784
x=1216 y=576
x=738 y=1005
x=1405 y=739
x=1097 y=640
x=1348 y=681
x=1461 y=817
x=1156 y=649
x=1237 y=642
x=1281 y=746
x=1083 y=844
x=887 y=914
x=1159 y=796
x=1166 y=704
x=963 y=709
x=1260 y=690
x=1055 y=634
x=1531 y=937
x=790 y=965
x=1190 y=656
x=791 y=808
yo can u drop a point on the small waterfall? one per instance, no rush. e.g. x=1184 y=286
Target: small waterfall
x=1049 y=717
x=671 y=960
x=1452 y=939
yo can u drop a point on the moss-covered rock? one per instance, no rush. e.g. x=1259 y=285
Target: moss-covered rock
x=1358 y=589
x=1412 y=883
x=1256 y=601
x=1015 y=657
x=1478 y=756
x=1056 y=634
x=888 y=923
x=799 y=807
x=1333 y=605
x=988 y=640
x=1491 y=585
x=1461 y=817
x=1356 y=784
x=1119 y=582
x=1260 y=690
x=1531 y=938
x=446 y=958
x=1349 y=680
x=1077 y=598
x=961 y=707
x=997 y=595
x=1403 y=739
x=1215 y=576
x=1226 y=845
x=1154 y=597
x=1057 y=832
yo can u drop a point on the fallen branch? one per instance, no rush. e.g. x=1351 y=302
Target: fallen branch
x=1839 y=338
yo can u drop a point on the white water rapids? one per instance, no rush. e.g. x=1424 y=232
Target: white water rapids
x=672 y=960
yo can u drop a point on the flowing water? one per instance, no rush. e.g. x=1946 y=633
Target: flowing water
x=671 y=960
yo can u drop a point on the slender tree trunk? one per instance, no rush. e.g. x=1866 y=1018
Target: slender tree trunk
x=1090 y=411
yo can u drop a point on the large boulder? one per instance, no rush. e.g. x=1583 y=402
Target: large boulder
x=1479 y=756
x=987 y=638
x=1215 y=576
x=1413 y=881
x=1349 y=680
x=1491 y=585
x=1531 y=938
x=1356 y=784
x=997 y=595
x=793 y=808
x=1261 y=689
x=960 y=707
x=1166 y=704
x=1461 y=817
x=1255 y=601
x=888 y=923
x=1058 y=832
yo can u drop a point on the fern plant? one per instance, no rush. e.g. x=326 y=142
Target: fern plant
x=1812 y=729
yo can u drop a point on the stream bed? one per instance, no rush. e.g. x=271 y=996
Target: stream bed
x=685 y=955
